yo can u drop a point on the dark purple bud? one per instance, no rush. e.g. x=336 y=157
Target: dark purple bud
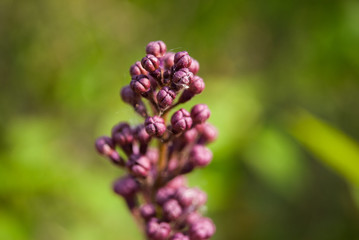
x=150 y=63
x=122 y=134
x=172 y=210
x=193 y=217
x=140 y=84
x=165 y=97
x=181 y=121
x=168 y=60
x=137 y=69
x=141 y=134
x=182 y=60
x=156 y=48
x=106 y=146
x=194 y=66
x=179 y=236
x=164 y=194
x=158 y=231
x=155 y=126
x=197 y=85
x=186 y=196
x=202 y=229
x=126 y=186
x=177 y=182
x=140 y=165
x=208 y=133
x=152 y=154
x=148 y=211
x=200 y=113
x=182 y=77
x=128 y=95
x=140 y=108
x=167 y=75
x=186 y=95
x=200 y=156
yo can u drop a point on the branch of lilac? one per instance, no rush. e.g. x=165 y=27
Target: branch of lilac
x=155 y=188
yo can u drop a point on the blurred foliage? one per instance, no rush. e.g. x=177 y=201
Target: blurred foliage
x=277 y=173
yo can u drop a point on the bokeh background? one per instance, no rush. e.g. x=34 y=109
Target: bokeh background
x=282 y=82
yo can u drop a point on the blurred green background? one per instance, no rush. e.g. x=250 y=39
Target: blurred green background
x=282 y=82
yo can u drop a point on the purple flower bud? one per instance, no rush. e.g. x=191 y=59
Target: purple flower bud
x=200 y=156
x=140 y=165
x=128 y=95
x=182 y=60
x=186 y=196
x=186 y=95
x=197 y=85
x=179 y=236
x=200 y=113
x=152 y=154
x=165 y=97
x=168 y=60
x=208 y=133
x=182 y=77
x=202 y=229
x=122 y=134
x=164 y=194
x=177 y=182
x=172 y=210
x=137 y=69
x=156 y=48
x=158 y=231
x=201 y=198
x=126 y=186
x=190 y=135
x=106 y=146
x=150 y=63
x=141 y=134
x=140 y=84
x=192 y=218
x=181 y=121
x=194 y=66
x=155 y=126
x=148 y=211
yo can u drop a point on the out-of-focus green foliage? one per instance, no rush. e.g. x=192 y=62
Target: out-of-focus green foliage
x=62 y=64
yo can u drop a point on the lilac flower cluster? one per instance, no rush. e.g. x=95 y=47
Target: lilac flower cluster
x=155 y=188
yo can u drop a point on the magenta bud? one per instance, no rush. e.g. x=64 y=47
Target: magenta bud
x=164 y=194
x=202 y=229
x=182 y=77
x=158 y=231
x=156 y=48
x=208 y=133
x=168 y=60
x=179 y=236
x=200 y=113
x=186 y=95
x=194 y=66
x=141 y=134
x=126 y=186
x=182 y=60
x=140 y=165
x=140 y=84
x=148 y=211
x=172 y=210
x=186 y=196
x=201 y=198
x=197 y=85
x=193 y=217
x=137 y=69
x=181 y=121
x=165 y=97
x=177 y=182
x=128 y=95
x=122 y=134
x=152 y=154
x=106 y=146
x=155 y=126
x=200 y=156
x=150 y=63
